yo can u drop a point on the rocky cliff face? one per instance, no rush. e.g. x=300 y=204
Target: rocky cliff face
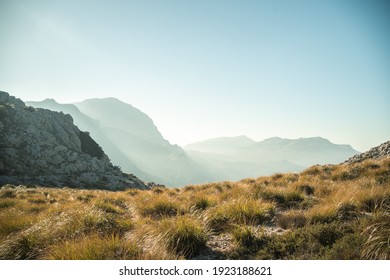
x=380 y=152
x=39 y=146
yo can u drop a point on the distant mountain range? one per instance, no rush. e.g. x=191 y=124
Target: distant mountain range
x=239 y=157
x=132 y=141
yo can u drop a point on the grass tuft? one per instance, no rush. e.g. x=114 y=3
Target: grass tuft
x=185 y=236
x=95 y=247
x=160 y=208
x=377 y=245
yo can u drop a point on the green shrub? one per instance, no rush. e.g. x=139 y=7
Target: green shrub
x=349 y=247
x=326 y=234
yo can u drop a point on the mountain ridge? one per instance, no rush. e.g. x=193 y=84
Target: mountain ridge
x=381 y=151
x=272 y=155
x=43 y=147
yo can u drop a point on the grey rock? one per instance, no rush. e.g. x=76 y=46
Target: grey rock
x=39 y=146
x=380 y=152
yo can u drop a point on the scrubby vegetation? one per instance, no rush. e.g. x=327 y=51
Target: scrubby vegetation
x=325 y=212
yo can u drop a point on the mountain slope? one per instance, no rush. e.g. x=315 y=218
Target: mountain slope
x=221 y=145
x=114 y=113
x=86 y=123
x=135 y=134
x=132 y=141
x=39 y=146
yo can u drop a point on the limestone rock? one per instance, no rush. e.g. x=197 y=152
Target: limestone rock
x=380 y=152
x=39 y=146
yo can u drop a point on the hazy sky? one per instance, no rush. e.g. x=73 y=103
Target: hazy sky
x=202 y=69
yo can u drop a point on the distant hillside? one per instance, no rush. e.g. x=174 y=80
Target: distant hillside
x=221 y=145
x=116 y=114
x=233 y=158
x=302 y=151
x=39 y=146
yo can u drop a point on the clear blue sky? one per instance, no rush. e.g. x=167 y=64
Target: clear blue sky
x=202 y=69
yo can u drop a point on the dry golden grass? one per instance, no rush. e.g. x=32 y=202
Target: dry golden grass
x=314 y=214
x=95 y=247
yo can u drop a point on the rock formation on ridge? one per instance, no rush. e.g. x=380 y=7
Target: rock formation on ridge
x=379 y=152
x=42 y=147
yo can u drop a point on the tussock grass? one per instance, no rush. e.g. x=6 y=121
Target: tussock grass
x=248 y=238
x=11 y=221
x=249 y=212
x=325 y=212
x=183 y=236
x=283 y=198
x=95 y=247
x=160 y=207
x=7 y=193
x=7 y=203
x=291 y=219
x=108 y=207
x=377 y=245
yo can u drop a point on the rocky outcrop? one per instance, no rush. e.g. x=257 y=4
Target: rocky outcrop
x=39 y=146
x=380 y=152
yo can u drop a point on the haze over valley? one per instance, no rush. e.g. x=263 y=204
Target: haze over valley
x=133 y=142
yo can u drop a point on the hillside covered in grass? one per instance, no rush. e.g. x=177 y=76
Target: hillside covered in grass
x=325 y=212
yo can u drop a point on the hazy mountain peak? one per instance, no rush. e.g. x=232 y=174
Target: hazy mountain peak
x=274 y=139
x=109 y=101
x=221 y=145
x=114 y=113
x=50 y=100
